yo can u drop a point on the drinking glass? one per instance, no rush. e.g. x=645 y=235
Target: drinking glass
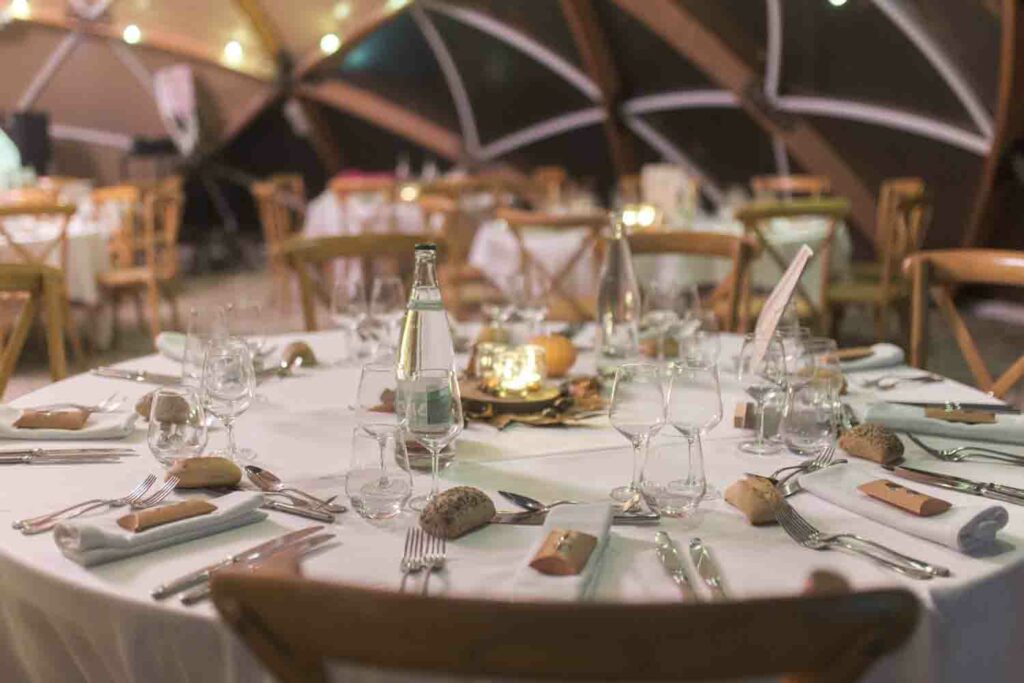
x=799 y=360
x=203 y=325
x=244 y=321
x=177 y=424
x=808 y=422
x=387 y=305
x=674 y=482
x=702 y=342
x=661 y=301
x=349 y=312
x=375 y=409
x=379 y=482
x=228 y=388
x=762 y=378
x=824 y=353
x=529 y=295
x=694 y=409
x=432 y=405
x=637 y=411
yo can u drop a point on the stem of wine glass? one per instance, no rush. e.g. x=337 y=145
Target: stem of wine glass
x=760 y=423
x=229 y=423
x=661 y=343
x=435 y=456
x=639 y=446
x=382 y=442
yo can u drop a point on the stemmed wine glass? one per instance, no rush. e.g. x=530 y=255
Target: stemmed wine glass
x=387 y=305
x=637 y=411
x=432 y=405
x=762 y=373
x=694 y=409
x=378 y=417
x=529 y=294
x=660 y=310
x=228 y=388
x=349 y=312
x=203 y=325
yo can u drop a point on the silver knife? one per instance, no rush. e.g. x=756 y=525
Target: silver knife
x=531 y=518
x=141 y=376
x=254 y=553
x=69 y=451
x=29 y=459
x=308 y=513
x=669 y=556
x=300 y=547
x=1000 y=492
x=958 y=405
x=707 y=568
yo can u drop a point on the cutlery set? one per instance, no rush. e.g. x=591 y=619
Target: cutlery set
x=705 y=566
x=423 y=552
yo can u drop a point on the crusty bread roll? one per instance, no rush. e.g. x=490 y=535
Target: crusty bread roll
x=296 y=349
x=755 y=498
x=872 y=442
x=457 y=511
x=197 y=473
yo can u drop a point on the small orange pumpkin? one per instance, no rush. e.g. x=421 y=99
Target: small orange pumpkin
x=559 y=352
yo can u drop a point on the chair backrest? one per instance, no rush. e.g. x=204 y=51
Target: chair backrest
x=741 y=250
x=40 y=287
x=161 y=218
x=548 y=182
x=307 y=256
x=293 y=626
x=126 y=202
x=280 y=203
x=939 y=273
x=561 y=300
x=55 y=214
x=904 y=216
x=788 y=185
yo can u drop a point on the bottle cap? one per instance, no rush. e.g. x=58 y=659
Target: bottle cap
x=426 y=246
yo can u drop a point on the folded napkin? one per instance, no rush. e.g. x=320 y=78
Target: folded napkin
x=967 y=528
x=171 y=345
x=99 y=426
x=99 y=540
x=594 y=519
x=883 y=356
x=1008 y=428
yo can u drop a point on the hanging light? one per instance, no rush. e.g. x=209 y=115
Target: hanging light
x=19 y=9
x=131 y=34
x=330 y=43
x=233 y=53
x=342 y=10
x=837 y=3
x=395 y=5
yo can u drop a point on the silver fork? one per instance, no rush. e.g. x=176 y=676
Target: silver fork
x=137 y=503
x=413 y=561
x=132 y=495
x=960 y=453
x=108 y=405
x=820 y=461
x=434 y=559
x=804 y=533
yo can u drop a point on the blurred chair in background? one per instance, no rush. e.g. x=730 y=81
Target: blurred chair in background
x=280 y=203
x=380 y=192
x=25 y=290
x=789 y=186
x=549 y=184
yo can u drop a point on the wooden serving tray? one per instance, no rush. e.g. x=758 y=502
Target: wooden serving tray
x=478 y=400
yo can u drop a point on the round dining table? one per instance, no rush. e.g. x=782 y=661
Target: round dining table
x=60 y=621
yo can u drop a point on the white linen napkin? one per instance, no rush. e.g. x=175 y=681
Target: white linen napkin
x=883 y=356
x=171 y=345
x=1008 y=428
x=594 y=519
x=95 y=541
x=99 y=426
x=967 y=528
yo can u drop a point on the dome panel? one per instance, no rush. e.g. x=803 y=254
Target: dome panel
x=582 y=152
x=29 y=47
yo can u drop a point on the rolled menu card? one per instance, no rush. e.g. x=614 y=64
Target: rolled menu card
x=100 y=539
x=165 y=514
x=72 y=419
x=967 y=528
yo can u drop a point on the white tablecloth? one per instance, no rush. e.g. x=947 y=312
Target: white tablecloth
x=327 y=215
x=60 y=621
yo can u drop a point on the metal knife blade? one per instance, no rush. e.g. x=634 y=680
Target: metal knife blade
x=69 y=451
x=529 y=518
x=28 y=459
x=668 y=554
x=1007 y=494
x=253 y=553
x=300 y=511
x=298 y=548
x=142 y=376
x=958 y=405
x=707 y=568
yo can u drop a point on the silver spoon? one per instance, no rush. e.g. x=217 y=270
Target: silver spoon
x=266 y=480
x=532 y=504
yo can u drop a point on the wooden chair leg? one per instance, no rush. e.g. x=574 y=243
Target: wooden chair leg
x=71 y=330
x=881 y=315
x=16 y=341
x=153 y=304
x=53 y=309
x=115 y=312
x=838 y=313
x=172 y=300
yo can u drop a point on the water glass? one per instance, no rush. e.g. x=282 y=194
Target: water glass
x=701 y=340
x=763 y=378
x=245 y=320
x=349 y=311
x=637 y=411
x=528 y=294
x=674 y=483
x=202 y=325
x=387 y=306
x=228 y=388
x=177 y=424
x=661 y=301
x=379 y=482
x=431 y=403
x=808 y=422
x=825 y=356
x=799 y=360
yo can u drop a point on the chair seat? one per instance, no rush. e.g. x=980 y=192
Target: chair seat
x=123 y=278
x=866 y=270
x=865 y=291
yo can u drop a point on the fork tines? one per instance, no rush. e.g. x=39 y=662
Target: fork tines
x=158 y=495
x=799 y=529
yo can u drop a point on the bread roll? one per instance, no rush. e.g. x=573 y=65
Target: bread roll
x=872 y=442
x=755 y=497
x=297 y=349
x=457 y=511
x=197 y=473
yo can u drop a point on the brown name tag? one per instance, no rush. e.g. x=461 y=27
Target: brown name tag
x=564 y=553
x=52 y=419
x=745 y=416
x=914 y=502
x=147 y=519
x=966 y=416
x=854 y=353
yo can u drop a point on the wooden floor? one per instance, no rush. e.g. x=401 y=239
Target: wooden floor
x=1001 y=340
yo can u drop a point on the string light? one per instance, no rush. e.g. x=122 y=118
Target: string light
x=19 y=9
x=837 y=3
x=330 y=43
x=233 y=53
x=342 y=11
x=131 y=34
x=395 y=5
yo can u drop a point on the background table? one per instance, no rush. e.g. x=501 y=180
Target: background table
x=59 y=621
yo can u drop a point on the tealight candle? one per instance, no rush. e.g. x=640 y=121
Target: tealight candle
x=521 y=370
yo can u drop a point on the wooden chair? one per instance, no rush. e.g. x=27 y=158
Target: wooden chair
x=940 y=272
x=562 y=304
x=147 y=265
x=904 y=215
x=32 y=288
x=548 y=182
x=756 y=214
x=40 y=253
x=29 y=195
x=308 y=256
x=280 y=203
x=730 y=297
x=296 y=626
x=786 y=186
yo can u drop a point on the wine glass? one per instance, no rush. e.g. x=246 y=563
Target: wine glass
x=228 y=388
x=762 y=373
x=177 y=424
x=637 y=411
x=661 y=300
x=203 y=324
x=808 y=423
x=378 y=482
x=694 y=409
x=387 y=305
x=703 y=341
x=349 y=312
x=244 y=320
x=824 y=353
x=528 y=295
x=432 y=405
x=375 y=409
x=799 y=360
